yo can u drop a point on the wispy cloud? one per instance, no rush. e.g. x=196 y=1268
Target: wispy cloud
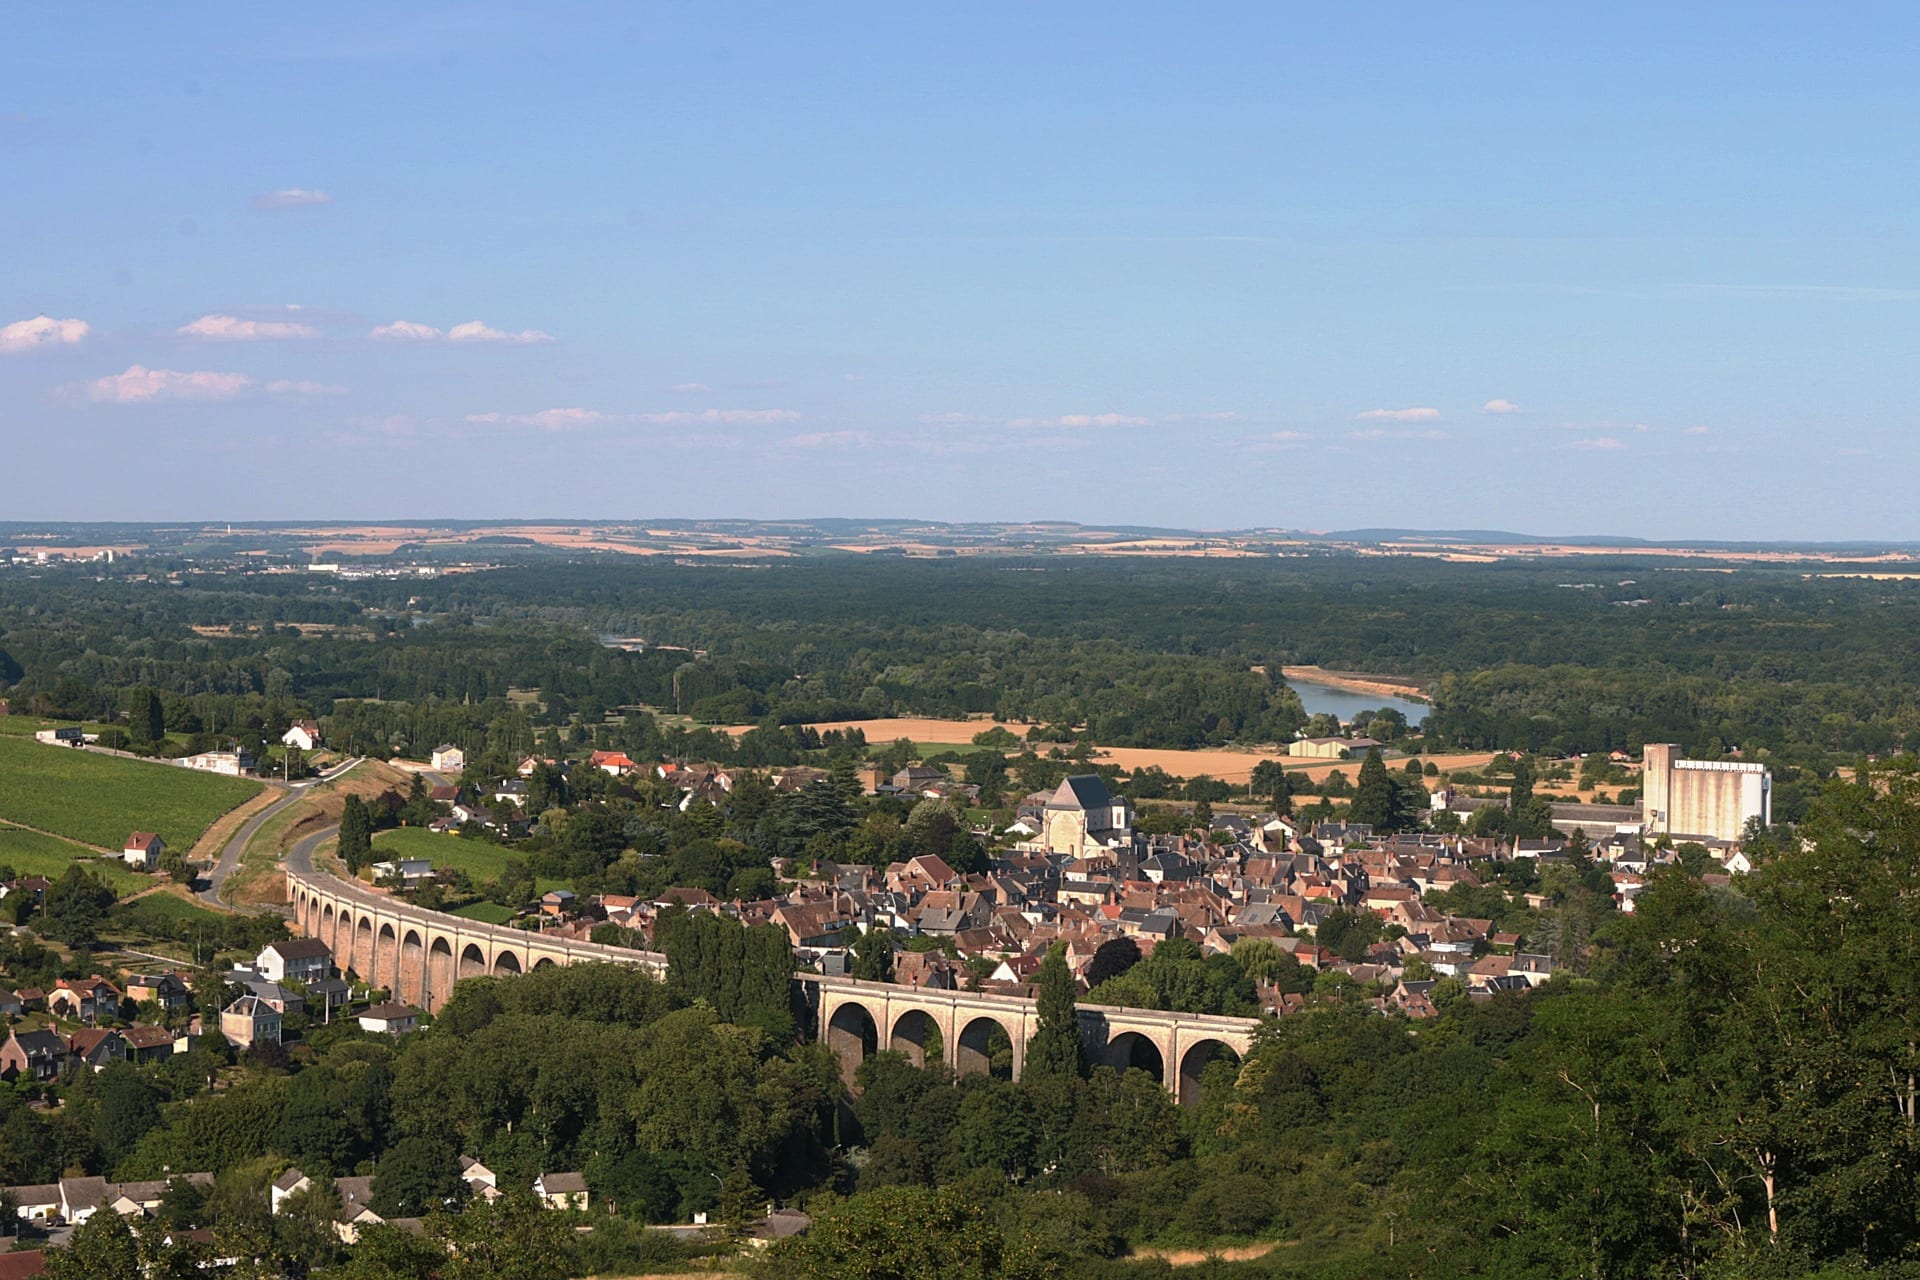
x=1223 y=415
x=1500 y=406
x=1083 y=420
x=954 y=419
x=1598 y=444
x=853 y=377
x=298 y=387
x=574 y=419
x=225 y=328
x=828 y=440
x=691 y=388
x=474 y=331
x=471 y=331
x=1811 y=292
x=1422 y=413
x=1381 y=433
x=141 y=385
x=1697 y=431
x=42 y=331
x=291 y=198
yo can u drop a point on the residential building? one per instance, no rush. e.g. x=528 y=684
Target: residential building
x=37 y=1055
x=87 y=1000
x=248 y=1021
x=390 y=1018
x=561 y=1190
x=304 y=735
x=142 y=850
x=294 y=960
x=448 y=758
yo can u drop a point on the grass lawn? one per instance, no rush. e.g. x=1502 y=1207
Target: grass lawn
x=99 y=799
x=172 y=907
x=32 y=854
x=486 y=912
x=480 y=860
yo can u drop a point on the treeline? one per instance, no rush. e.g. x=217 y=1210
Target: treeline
x=1174 y=653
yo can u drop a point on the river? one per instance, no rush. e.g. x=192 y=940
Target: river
x=1344 y=703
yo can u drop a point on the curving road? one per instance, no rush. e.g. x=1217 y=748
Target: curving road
x=230 y=856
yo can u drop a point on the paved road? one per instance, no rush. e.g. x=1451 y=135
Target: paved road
x=230 y=856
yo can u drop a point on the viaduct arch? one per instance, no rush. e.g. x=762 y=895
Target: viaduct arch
x=418 y=955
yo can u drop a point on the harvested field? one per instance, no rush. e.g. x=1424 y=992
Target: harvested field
x=916 y=730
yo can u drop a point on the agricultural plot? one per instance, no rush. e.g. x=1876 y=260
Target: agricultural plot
x=30 y=853
x=98 y=799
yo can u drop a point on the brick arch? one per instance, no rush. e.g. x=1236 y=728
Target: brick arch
x=1199 y=1055
x=506 y=962
x=852 y=1032
x=387 y=958
x=1132 y=1050
x=440 y=973
x=365 y=949
x=473 y=961
x=919 y=1035
x=410 y=977
x=976 y=1044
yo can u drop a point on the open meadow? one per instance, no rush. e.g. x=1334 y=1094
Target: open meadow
x=99 y=799
x=33 y=853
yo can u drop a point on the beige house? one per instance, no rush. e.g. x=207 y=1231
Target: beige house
x=448 y=758
x=1082 y=817
x=249 y=1021
x=561 y=1190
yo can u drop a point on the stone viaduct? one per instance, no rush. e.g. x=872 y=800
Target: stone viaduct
x=418 y=955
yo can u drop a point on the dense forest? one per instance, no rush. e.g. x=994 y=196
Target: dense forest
x=1170 y=653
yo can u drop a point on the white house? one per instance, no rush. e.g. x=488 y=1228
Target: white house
x=409 y=870
x=295 y=959
x=304 y=734
x=561 y=1190
x=231 y=763
x=448 y=758
x=142 y=850
x=391 y=1018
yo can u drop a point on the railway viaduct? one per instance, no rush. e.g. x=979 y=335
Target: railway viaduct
x=418 y=955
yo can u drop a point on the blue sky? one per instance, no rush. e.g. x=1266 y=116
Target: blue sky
x=1642 y=269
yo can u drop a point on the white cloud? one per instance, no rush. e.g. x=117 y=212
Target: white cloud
x=1598 y=444
x=1225 y=415
x=828 y=440
x=853 y=377
x=42 y=331
x=225 y=328
x=1697 y=431
x=953 y=419
x=405 y=331
x=1501 y=406
x=732 y=417
x=574 y=419
x=296 y=387
x=1421 y=414
x=1083 y=420
x=690 y=388
x=546 y=419
x=291 y=198
x=1290 y=437
x=141 y=385
x=1381 y=433
x=474 y=331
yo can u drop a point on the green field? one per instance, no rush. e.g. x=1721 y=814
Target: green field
x=99 y=799
x=478 y=859
x=485 y=912
x=30 y=853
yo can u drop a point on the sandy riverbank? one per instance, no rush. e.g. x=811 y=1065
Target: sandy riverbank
x=1355 y=682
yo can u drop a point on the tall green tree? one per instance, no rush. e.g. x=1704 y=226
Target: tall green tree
x=146 y=717
x=1055 y=1050
x=1372 y=802
x=873 y=954
x=356 y=834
